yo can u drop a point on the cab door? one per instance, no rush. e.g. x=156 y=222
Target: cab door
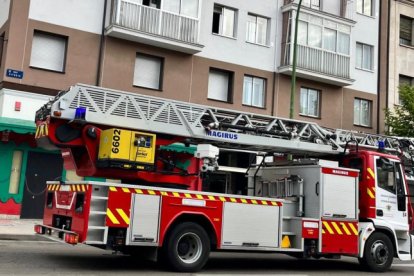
x=391 y=200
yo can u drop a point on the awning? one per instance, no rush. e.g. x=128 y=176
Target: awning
x=17 y=125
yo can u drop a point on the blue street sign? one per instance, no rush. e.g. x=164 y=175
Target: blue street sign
x=14 y=73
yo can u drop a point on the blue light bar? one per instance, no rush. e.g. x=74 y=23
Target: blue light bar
x=80 y=113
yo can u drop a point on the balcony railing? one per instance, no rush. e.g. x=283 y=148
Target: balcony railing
x=152 y=21
x=319 y=61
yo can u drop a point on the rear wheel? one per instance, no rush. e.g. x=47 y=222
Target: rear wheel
x=378 y=253
x=186 y=248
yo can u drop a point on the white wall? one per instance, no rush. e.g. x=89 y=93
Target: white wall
x=236 y=50
x=365 y=31
x=4 y=11
x=85 y=15
x=30 y=103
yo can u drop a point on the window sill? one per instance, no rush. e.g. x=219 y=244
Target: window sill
x=225 y=36
x=48 y=70
x=366 y=70
x=407 y=46
x=149 y=88
x=310 y=116
x=254 y=106
x=221 y=101
x=367 y=127
x=366 y=15
x=258 y=44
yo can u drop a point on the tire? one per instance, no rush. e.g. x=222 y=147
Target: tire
x=186 y=248
x=378 y=253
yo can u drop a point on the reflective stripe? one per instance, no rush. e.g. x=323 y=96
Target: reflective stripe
x=123 y=215
x=111 y=216
x=338 y=230
x=326 y=224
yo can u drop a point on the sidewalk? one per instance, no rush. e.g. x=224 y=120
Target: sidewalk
x=18 y=229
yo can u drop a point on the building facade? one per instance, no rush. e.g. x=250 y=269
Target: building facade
x=226 y=53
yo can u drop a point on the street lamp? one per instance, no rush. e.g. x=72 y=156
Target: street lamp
x=293 y=84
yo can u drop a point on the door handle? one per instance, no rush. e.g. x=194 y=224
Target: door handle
x=380 y=213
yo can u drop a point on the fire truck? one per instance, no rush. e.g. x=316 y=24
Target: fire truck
x=310 y=192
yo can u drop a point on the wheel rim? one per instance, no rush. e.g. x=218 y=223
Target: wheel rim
x=380 y=252
x=189 y=248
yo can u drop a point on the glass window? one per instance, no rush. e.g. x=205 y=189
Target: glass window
x=309 y=102
x=313 y=4
x=406 y=30
x=404 y=80
x=148 y=71
x=362 y=112
x=343 y=43
x=329 y=40
x=224 y=21
x=365 y=7
x=303 y=33
x=256 y=29
x=219 y=85
x=184 y=7
x=48 y=51
x=254 y=91
x=364 y=54
x=315 y=36
x=15 y=172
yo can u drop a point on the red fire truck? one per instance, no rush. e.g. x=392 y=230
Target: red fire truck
x=311 y=191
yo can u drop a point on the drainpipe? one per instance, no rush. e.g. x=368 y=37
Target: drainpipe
x=293 y=85
x=101 y=46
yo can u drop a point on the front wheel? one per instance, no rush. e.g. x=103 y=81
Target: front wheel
x=186 y=248
x=378 y=253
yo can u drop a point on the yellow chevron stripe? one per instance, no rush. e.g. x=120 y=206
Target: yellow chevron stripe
x=78 y=188
x=371 y=173
x=323 y=231
x=371 y=195
x=351 y=225
x=164 y=193
x=264 y=202
x=113 y=189
x=222 y=198
x=123 y=215
x=338 y=230
x=126 y=190
x=139 y=191
x=233 y=199
x=111 y=216
x=151 y=192
x=345 y=228
x=254 y=201
x=328 y=227
x=200 y=197
x=176 y=194
x=187 y=195
x=243 y=200
x=83 y=188
x=273 y=203
x=211 y=197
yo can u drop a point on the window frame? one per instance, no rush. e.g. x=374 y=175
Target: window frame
x=66 y=38
x=362 y=12
x=311 y=4
x=410 y=44
x=161 y=73
x=362 y=58
x=229 y=88
x=256 y=29
x=263 y=95
x=319 y=97
x=221 y=21
x=402 y=83
x=360 y=113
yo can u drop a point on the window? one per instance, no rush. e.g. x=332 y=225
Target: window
x=184 y=7
x=220 y=84
x=254 y=91
x=406 y=30
x=309 y=102
x=313 y=4
x=257 y=29
x=362 y=112
x=148 y=71
x=314 y=35
x=16 y=168
x=365 y=7
x=1 y=48
x=152 y=3
x=405 y=80
x=48 y=51
x=364 y=54
x=223 y=21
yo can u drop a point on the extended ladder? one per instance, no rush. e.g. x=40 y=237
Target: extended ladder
x=200 y=123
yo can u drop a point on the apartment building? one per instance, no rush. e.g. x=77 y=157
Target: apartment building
x=225 y=53
x=400 y=57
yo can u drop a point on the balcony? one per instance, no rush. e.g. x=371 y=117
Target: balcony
x=318 y=64
x=140 y=23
